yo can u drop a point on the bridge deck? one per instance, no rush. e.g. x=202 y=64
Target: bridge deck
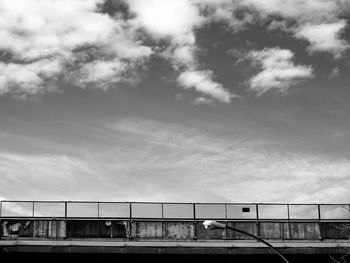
x=171 y=227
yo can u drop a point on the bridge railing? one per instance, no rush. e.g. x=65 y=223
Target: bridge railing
x=167 y=210
x=147 y=220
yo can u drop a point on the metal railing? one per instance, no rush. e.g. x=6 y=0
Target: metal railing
x=288 y=220
x=171 y=211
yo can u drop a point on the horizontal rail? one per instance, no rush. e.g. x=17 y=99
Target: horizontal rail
x=170 y=210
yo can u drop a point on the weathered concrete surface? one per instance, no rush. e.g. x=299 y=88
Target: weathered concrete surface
x=147 y=230
x=170 y=230
x=170 y=247
x=155 y=258
x=178 y=230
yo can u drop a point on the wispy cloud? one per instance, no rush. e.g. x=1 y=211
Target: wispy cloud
x=203 y=100
x=160 y=161
x=235 y=170
x=202 y=82
x=278 y=71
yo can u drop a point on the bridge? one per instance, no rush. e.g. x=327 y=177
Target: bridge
x=144 y=229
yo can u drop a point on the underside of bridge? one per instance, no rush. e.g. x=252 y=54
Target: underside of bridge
x=126 y=257
x=165 y=251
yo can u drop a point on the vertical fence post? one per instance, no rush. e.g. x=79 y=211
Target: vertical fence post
x=33 y=213
x=130 y=220
x=194 y=222
x=226 y=237
x=289 y=227
x=33 y=207
x=65 y=209
x=319 y=220
x=65 y=219
x=162 y=204
x=98 y=219
x=257 y=220
x=0 y=215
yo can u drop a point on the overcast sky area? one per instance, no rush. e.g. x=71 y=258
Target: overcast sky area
x=175 y=100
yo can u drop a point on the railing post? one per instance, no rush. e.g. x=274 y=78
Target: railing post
x=319 y=220
x=130 y=221
x=162 y=204
x=226 y=221
x=65 y=220
x=65 y=209
x=194 y=222
x=33 y=207
x=289 y=227
x=257 y=220
x=98 y=219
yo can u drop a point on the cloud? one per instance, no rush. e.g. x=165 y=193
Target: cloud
x=318 y=21
x=85 y=37
x=161 y=20
x=105 y=73
x=324 y=37
x=161 y=161
x=301 y=9
x=203 y=100
x=95 y=47
x=76 y=37
x=257 y=173
x=27 y=79
x=334 y=73
x=202 y=82
x=278 y=73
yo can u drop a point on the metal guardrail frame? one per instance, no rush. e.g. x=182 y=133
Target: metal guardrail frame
x=258 y=209
x=257 y=219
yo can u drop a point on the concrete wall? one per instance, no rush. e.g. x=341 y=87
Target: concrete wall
x=169 y=230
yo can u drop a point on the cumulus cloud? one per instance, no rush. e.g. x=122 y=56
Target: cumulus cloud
x=302 y=9
x=278 y=71
x=202 y=82
x=93 y=47
x=161 y=20
x=324 y=37
x=317 y=21
x=102 y=72
x=29 y=78
x=36 y=39
x=86 y=43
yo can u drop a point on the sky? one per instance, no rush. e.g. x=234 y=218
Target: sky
x=175 y=100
